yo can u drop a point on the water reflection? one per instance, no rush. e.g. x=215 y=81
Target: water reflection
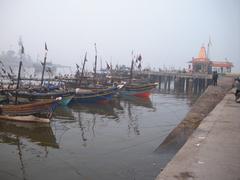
x=64 y=113
x=91 y=117
x=142 y=102
x=21 y=134
x=133 y=122
x=121 y=134
x=40 y=134
x=106 y=110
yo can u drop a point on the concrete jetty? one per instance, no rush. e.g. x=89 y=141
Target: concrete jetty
x=213 y=150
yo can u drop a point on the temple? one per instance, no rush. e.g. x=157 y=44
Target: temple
x=202 y=64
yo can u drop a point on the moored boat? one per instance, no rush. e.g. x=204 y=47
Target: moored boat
x=138 y=90
x=29 y=112
x=94 y=95
x=66 y=97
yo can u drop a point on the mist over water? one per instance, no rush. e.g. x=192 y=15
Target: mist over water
x=166 y=33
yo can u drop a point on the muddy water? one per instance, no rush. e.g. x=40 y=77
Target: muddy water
x=105 y=141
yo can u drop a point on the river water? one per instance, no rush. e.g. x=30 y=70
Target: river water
x=115 y=140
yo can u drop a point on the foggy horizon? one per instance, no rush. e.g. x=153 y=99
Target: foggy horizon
x=165 y=33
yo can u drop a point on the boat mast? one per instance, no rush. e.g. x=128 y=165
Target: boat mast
x=18 y=80
x=131 y=70
x=84 y=62
x=19 y=71
x=44 y=63
x=208 y=48
x=95 y=64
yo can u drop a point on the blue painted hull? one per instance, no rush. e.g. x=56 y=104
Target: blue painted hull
x=94 y=97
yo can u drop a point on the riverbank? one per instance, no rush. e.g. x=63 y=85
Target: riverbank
x=213 y=144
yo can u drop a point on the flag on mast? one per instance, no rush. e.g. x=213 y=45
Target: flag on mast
x=139 y=66
x=140 y=57
x=209 y=42
x=85 y=57
x=20 y=43
x=46 y=46
x=46 y=50
x=208 y=47
x=22 y=49
x=108 y=66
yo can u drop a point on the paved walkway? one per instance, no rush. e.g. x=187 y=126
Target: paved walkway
x=213 y=151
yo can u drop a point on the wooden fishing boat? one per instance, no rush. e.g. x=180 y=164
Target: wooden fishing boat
x=93 y=95
x=138 y=90
x=66 y=96
x=30 y=112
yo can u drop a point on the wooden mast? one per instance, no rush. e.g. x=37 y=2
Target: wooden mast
x=131 y=70
x=19 y=70
x=95 y=64
x=84 y=62
x=44 y=64
x=18 y=80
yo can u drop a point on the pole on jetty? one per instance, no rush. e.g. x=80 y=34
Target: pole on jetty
x=44 y=63
x=169 y=82
x=159 y=82
x=84 y=62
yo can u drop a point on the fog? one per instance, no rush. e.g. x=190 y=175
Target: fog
x=166 y=33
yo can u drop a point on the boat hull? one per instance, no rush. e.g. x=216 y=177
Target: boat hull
x=143 y=94
x=66 y=97
x=137 y=90
x=94 y=96
x=43 y=109
x=65 y=100
x=29 y=118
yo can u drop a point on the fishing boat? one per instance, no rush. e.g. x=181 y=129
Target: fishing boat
x=30 y=112
x=42 y=93
x=138 y=90
x=93 y=95
x=66 y=96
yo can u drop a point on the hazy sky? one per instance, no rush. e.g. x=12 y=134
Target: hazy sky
x=165 y=32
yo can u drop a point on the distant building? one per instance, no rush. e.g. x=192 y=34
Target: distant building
x=222 y=66
x=202 y=64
